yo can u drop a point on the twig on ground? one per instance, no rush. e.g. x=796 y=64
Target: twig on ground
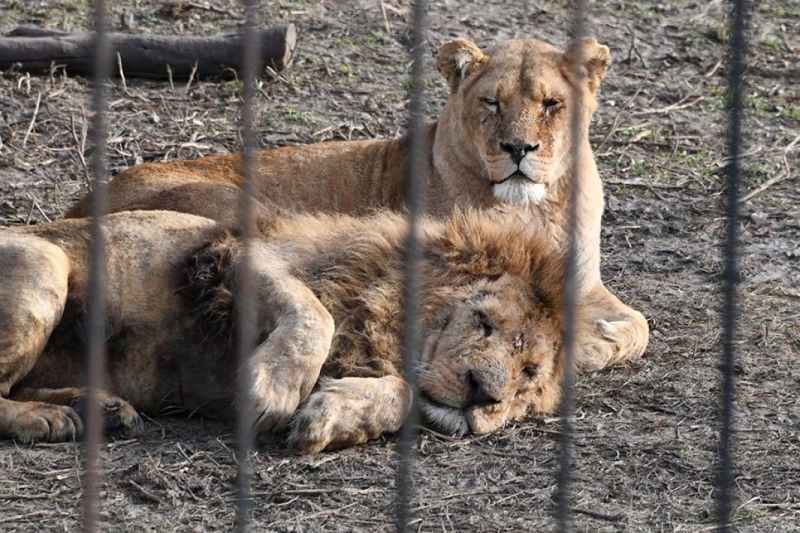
x=30 y=215
x=311 y=492
x=615 y=123
x=683 y=104
x=305 y=517
x=122 y=73
x=654 y=144
x=80 y=146
x=215 y=9
x=769 y=183
x=146 y=494
x=24 y=517
x=191 y=77
x=713 y=70
x=38 y=207
x=33 y=119
x=13 y=497
x=631 y=183
x=385 y=18
x=633 y=50
x=598 y=515
x=792 y=144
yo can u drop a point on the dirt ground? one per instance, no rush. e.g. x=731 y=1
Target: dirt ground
x=645 y=432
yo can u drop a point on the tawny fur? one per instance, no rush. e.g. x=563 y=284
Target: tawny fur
x=327 y=308
x=519 y=90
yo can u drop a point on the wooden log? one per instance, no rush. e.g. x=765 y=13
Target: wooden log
x=145 y=56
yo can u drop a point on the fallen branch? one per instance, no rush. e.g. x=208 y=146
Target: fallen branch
x=145 y=56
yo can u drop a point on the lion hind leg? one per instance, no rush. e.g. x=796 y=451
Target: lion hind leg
x=33 y=292
x=349 y=411
x=609 y=331
x=118 y=415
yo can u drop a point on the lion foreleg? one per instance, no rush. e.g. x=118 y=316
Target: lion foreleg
x=118 y=415
x=285 y=367
x=348 y=411
x=608 y=330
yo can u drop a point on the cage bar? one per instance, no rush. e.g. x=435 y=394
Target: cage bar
x=563 y=512
x=737 y=49
x=95 y=319
x=416 y=190
x=245 y=303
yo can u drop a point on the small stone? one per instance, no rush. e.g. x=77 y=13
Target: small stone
x=758 y=218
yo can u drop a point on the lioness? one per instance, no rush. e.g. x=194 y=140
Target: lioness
x=502 y=138
x=328 y=314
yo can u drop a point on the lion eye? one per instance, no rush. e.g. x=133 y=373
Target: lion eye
x=530 y=371
x=483 y=322
x=550 y=105
x=491 y=103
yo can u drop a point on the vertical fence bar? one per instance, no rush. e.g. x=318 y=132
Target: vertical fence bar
x=95 y=320
x=563 y=512
x=416 y=188
x=245 y=304
x=736 y=56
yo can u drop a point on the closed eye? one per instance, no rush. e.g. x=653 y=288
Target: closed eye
x=550 y=105
x=483 y=322
x=530 y=371
x=491 y=103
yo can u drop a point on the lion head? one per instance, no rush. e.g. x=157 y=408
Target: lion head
x=494 y=359
x=492 y=338
x=509 y=112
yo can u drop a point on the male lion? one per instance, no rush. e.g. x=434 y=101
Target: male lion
x=502 y=138
x=327 y=293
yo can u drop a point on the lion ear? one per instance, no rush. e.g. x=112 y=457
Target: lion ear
x=590 y=60
x=457 y=60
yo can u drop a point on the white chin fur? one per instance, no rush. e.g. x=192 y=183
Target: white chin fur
x=517 y=191
x=446 y=420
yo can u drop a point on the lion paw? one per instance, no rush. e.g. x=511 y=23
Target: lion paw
x=611 y=342
x=276 y=398
x=121 y=418
x=274 y=412
x=348 y=411
x=38 y=422
x=610 y=330
x=326 y=421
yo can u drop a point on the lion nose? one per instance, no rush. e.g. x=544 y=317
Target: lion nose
x=518 y=149
x=484 y=388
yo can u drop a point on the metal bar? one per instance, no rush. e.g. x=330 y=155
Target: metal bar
x=416 y=191
x=245 y=303
x=737 y=49
x=95 y=320
x=563 y=511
